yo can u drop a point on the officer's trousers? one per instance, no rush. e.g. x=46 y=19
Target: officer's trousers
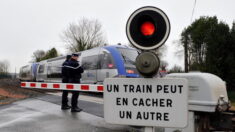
x=65 y=93
x=75 y=94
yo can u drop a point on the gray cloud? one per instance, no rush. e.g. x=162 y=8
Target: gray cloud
x=28 y=25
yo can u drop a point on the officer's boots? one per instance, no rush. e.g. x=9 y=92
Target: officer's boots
x=65 y=107
x=76 y=109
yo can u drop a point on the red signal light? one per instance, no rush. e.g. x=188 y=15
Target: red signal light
x=147 y=28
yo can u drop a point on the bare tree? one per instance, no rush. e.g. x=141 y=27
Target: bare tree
x=4 y=67
x=38 y=55
x=176 y=69
x=162 y=51
x=85 y=34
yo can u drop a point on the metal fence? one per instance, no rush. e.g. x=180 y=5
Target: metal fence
x=3 y=76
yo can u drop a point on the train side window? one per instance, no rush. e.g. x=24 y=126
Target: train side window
x=107 y=61
x=41 y=69
x=90 y=62
x=54 y=72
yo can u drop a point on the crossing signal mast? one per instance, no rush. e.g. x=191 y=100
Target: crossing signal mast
x=148 y=29
x=158 y=102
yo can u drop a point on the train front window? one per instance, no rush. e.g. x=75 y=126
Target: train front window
x=106 y=61
x=128 y=55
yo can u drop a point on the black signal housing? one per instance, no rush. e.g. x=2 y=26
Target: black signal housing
x=155 y=32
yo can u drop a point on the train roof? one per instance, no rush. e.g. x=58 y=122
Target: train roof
x=25 y=66
x=108 y=46
x=56 y=58
x=119 y=46
x=30 y=64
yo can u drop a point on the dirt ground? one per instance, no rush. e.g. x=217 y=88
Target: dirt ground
x=10 y=91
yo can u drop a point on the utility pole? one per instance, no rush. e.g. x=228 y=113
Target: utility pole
x=15 y=73
x=186 y=67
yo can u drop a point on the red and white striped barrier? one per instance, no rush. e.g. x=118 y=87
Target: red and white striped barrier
x=64 y=86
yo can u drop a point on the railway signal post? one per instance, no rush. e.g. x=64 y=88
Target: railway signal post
x=147 y=101
x=182 y=102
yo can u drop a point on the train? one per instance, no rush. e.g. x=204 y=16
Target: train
x=98 y=63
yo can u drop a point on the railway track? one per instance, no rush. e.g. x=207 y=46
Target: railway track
x=233 y=118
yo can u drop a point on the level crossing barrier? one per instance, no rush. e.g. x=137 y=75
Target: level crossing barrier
x=64 y=86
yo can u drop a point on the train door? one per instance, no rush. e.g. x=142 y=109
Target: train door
x=89 y=61
x=54 y=71
x=107 y=67
x=42 y=72
x=49 y=72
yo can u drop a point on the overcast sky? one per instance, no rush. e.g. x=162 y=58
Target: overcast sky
x=29 y=25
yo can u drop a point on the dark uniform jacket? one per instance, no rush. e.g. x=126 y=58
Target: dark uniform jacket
x=75 y=71
x=65 y=72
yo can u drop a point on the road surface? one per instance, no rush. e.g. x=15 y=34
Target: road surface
x=43 y=114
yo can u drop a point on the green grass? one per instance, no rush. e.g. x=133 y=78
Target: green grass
x=231 y=96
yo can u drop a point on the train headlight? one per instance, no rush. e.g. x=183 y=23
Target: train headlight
x=130 y=71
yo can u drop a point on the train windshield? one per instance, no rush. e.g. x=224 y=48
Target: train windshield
x=129 y=56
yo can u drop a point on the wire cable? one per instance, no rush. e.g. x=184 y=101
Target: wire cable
x=195 y=2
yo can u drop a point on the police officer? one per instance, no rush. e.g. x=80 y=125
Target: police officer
x=65 y=79
x=75 y=71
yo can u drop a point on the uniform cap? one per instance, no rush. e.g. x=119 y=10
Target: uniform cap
x=75 y=54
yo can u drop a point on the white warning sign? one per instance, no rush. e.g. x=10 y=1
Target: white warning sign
x=146 y=102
